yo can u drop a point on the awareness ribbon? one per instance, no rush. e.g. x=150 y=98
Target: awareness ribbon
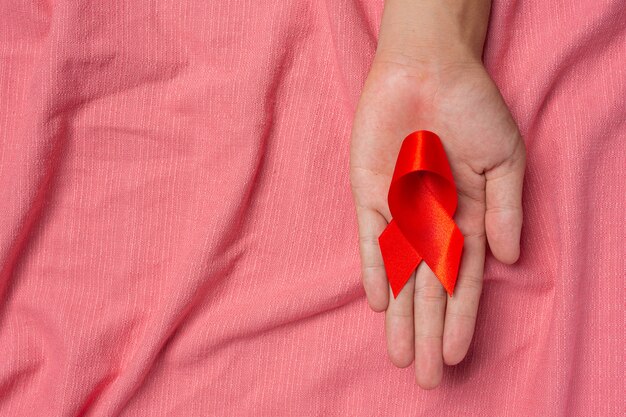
x=422 y=200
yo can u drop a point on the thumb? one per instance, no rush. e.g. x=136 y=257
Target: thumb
x=503 y=218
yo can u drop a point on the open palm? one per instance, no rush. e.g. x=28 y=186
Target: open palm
x=462 y=105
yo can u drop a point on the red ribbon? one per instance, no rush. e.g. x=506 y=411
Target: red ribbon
x=422 y=200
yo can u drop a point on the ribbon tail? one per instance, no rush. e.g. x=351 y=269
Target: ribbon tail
x=446 y=265
x=399 y=256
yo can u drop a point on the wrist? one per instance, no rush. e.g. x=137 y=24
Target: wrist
x=431 y=59
x=437 y=32
x=425 y=79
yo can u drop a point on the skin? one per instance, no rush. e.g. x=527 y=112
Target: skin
x=416 y=83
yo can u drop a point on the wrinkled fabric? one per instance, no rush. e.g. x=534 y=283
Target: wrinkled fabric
x=178 y=237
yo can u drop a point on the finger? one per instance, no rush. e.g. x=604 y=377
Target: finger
x=503 y=218
x=430 y=307
x=462 y=307
x=399 y=325
x=371 y=225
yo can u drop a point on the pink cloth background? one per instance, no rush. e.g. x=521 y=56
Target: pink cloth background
x=177 y=234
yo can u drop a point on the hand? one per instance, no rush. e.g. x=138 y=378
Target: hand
x=461 y=104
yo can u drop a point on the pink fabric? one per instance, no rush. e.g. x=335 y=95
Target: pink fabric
x=177 y=234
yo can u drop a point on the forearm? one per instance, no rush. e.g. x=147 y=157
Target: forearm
x=414 y=31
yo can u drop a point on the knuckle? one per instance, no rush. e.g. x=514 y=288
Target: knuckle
x=470 y=282
x=372 y=271
x=368 y=240
x=401 y=313
x=474 y=235
x=504 y=208
x=373 y=267
x=465 y=317
x=430 y=293
x=426 y=335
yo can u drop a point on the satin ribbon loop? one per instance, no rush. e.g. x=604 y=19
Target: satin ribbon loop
x=422 y=200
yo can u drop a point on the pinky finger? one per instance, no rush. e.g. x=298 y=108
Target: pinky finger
x=371 y=224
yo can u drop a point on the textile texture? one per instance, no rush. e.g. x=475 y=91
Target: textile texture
x=177 y=231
